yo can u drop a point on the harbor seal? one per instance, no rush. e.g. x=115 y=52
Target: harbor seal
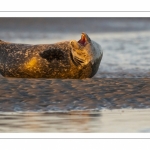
x=66 y=60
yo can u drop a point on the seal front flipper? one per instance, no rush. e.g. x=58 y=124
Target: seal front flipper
x=52 y=54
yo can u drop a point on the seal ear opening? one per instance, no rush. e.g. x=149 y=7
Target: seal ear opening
x=74 y=44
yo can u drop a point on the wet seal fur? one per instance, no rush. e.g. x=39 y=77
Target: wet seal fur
x=68 y=59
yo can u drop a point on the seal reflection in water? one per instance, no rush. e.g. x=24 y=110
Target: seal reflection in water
x=68 y=59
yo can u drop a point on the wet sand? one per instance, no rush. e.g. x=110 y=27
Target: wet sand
x=72 y=95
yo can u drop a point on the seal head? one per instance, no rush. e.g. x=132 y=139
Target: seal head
x=85 y=52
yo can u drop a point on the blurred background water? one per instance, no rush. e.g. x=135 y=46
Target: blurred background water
x=126 y=46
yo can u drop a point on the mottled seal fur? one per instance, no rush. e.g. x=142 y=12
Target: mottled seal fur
x=68 y=59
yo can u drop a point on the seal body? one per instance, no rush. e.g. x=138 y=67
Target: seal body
x=68 y=59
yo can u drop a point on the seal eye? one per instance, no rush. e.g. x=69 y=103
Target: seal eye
x=82 y=41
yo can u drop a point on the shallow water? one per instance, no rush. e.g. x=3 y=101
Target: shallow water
x=122 y=81
x=106 y=121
